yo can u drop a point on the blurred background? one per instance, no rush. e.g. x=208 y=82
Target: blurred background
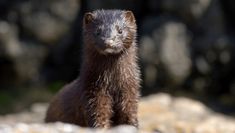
x=186 y=48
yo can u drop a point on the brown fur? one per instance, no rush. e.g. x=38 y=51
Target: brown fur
x=107 y=92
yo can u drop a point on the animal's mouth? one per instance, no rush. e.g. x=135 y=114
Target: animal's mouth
x=109 y=48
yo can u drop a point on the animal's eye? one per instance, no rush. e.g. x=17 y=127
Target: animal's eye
x=98 y=32
x=119 y=30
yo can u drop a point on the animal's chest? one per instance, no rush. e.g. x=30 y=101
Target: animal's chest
x=112 y=82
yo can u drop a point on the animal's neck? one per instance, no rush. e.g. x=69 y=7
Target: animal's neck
x=96 y=65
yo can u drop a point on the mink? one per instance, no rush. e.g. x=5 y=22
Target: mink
x=106 y=93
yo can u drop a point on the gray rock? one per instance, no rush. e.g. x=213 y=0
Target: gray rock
x=9 y=44
x=181 y=115
x=48 y=22
x=188 y=9
x=157 y=113
x=26 y=57
x=165 y=51
x=35 y=115
x=61 y=128
x=174 y=52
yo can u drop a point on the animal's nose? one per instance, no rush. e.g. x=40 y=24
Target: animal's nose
x=109 y=42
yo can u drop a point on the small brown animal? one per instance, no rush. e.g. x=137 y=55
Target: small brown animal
x=107 y=92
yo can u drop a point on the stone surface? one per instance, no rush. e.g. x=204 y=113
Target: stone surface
x=25 y=57
x=24 y=30
x=48 y=22
x=165 y=51
x=160 y=113
x=168 y=114
x=61 y=128
x=174 y=53
x=193 y=9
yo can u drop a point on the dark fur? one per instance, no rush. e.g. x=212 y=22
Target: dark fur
x=107 y=92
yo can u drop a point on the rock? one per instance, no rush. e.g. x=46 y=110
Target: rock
x=160 y=113
x=60 y=127
x=25 y=58
x=9 y=44
x=181 y=115
x=23 y=34
x=165 y=51
x=187 y=9
x=48 y=22
x=34 y=115
x=189 y=109
x=174 y=53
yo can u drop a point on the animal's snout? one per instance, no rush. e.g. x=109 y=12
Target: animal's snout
x=109 y=43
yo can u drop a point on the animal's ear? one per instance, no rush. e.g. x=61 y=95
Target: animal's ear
x=88 y=17
x=130 y=16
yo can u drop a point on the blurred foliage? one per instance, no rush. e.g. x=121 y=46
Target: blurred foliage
x=55 y=86
x=20 y=99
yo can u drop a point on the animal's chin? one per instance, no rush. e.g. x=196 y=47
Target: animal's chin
x=112 y=51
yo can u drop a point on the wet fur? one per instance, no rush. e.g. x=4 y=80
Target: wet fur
x=107 y=91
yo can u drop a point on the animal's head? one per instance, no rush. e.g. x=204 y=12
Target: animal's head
x=109 y=31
